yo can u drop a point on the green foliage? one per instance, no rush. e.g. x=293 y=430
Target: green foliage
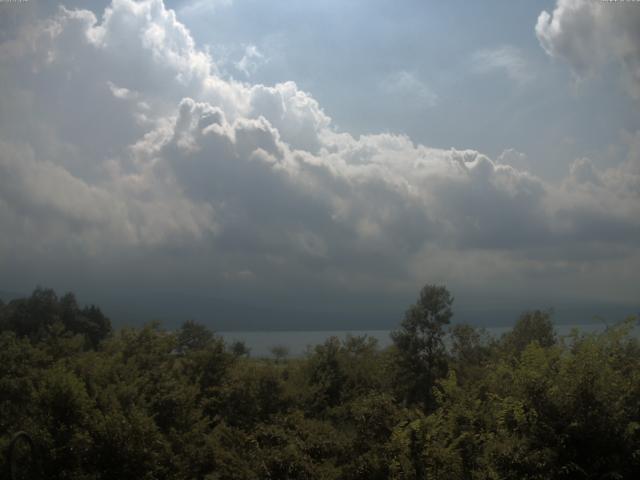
x=420 y=347
x=279 y=352
x=534 y=326
x=239 y=349
x=338 y=372
x=193 y=336
x=147 y=403
x=43 y=315
x=251 y=393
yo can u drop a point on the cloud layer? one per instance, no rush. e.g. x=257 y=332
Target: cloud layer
x=123 y=147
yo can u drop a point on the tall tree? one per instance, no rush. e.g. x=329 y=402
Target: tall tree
x=419 y=342
x=533 y=326
x=194 y=336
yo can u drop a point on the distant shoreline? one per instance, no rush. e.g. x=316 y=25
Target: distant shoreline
x=298 y=341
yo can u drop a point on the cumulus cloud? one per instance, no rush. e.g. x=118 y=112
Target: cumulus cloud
x=516 y=159
x=591 y=34
x=118 y=135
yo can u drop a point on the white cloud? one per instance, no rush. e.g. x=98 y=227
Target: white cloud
x=589 y=35
x=507 y=59
x=200 y=7
x=250 y=61
x=123 y=93
x=223 y=176
x=514 y=158
x=295 y=114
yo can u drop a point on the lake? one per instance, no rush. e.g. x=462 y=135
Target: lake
x=298 y=342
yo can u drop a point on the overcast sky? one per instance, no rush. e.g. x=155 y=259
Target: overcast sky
x=326 y=158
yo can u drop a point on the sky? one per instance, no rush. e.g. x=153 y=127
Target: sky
x=309 y=165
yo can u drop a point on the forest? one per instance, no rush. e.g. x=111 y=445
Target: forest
x=445 y=401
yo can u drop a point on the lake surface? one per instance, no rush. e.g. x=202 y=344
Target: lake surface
x=298 y=342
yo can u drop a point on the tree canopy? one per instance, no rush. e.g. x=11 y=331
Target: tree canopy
x=148 y=403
